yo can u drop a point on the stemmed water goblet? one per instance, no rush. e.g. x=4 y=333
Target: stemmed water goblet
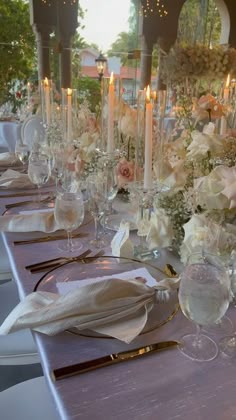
x=204 y=296
x=22 y=151
x=228 y=344
x=111 y=189
x=69 y=215
x=58 y=163
x=38 y=170
x=96 y=192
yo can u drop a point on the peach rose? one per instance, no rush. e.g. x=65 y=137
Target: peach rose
x=125 y=172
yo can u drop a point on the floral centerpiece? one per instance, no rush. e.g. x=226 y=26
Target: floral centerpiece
x=200 y=208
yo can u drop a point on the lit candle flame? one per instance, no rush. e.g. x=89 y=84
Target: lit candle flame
x=227 y=81
x=154 y=95
x=111 y=79
x=148 y=94
x=69 y=92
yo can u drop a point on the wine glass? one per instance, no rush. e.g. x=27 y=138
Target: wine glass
x=58 y=163
x=228 y=344
x=22 y=151
x=96 y=191
x=38 y=170
x=204 y=296
x=69 y=215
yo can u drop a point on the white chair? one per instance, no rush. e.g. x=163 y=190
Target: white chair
x=29 y=400
x=17 y=348
x=5 y=269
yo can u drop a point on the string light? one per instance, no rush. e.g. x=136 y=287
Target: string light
x=153 y=7
x=70 y=2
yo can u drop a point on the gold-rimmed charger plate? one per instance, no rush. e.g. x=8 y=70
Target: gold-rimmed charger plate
x=106 y=266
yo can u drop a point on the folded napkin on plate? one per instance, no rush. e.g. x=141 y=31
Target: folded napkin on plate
x=9 y=158
x=14 y=179
x=114 y=307
x=40 y=220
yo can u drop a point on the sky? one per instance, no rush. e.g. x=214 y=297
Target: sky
x=104 y=20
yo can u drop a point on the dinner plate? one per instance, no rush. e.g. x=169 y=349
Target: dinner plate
x=108 y=266
x=31 y=127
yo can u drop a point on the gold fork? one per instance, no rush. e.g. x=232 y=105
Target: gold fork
x=55 y=260
x=22 y=203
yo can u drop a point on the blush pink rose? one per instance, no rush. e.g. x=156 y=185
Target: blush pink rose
x=125 y=172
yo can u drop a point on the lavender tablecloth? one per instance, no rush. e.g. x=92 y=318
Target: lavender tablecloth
x=163 y=386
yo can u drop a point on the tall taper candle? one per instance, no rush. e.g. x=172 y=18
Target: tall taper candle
x=47 y=100
x=110 y=127
x=223 y=121
x=69 y=115
x=148 y=143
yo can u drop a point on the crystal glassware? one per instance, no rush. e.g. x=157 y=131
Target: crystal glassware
x=38 y=170
x=204 y=296
x=22 y=151
x=97 y=198
x=69 y=215
x=228 y=344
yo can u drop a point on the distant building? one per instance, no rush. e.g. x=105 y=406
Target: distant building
x=130 y=76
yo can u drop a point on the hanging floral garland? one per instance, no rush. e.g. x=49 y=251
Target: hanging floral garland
x=198 y=62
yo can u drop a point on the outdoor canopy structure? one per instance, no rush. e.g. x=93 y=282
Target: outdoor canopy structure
x=163 y=30
x=60 y=16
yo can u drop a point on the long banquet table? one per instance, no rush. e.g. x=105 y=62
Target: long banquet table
x=164 y=385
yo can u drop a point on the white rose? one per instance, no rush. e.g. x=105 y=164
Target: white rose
x=173 y=177
x=201 y=233
x=211 y=188
x=204 y=142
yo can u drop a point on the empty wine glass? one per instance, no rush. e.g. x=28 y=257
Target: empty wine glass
x=38 y=170
x=22 y=151
x=204 y=296
x=96 y=191
x=69 y=215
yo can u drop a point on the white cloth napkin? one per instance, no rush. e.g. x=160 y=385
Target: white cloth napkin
x=29 y=221
x=14 y=179
x=8 y=158
x=114 y=307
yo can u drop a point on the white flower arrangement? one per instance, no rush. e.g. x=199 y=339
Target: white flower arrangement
x=198 y=62
x=200 y=169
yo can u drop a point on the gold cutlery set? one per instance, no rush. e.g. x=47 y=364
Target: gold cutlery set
x=57 y=262
x=111 y=359
x=49 y=239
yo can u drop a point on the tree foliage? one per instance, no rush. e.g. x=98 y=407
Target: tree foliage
x=127 y=41
x=199 y=22
x=17 y=44
x=90 y=90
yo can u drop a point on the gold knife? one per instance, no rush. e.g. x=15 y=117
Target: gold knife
x=48 y=238
x=110 y=359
